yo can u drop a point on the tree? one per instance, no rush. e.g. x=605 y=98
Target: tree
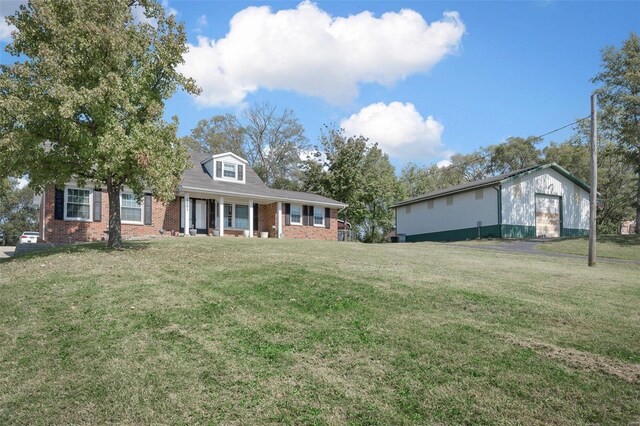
x=514 y=154
x=87 y=101
x=221 y=133
x=17 y=212
x=619 y=98
x=275 y=142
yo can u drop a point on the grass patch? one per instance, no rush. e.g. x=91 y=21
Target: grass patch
x=226 y=330
x=625 y=247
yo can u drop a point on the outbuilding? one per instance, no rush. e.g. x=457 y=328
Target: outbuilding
x=539 y=201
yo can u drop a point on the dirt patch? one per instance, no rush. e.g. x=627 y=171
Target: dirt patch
x=582 y=360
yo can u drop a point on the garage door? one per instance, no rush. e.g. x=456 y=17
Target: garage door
x=547 y=216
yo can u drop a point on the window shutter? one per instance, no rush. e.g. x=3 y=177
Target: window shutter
x=287 y=214
x=255 y=216
x=148 y=211
x=97 y=205
x=58 y=210
x=212 y=213
x=218 y=169
x=327 y=217
x=310 y=211
x=240 y=172
x=305 y=217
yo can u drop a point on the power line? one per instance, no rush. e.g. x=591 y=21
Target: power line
x=560 y=128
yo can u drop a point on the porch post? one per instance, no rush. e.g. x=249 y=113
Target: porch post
x=250 y=218
x=279 y=220
x=221 y=215
x=187 y=214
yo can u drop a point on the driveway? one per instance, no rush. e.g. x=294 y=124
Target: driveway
x=6 y=251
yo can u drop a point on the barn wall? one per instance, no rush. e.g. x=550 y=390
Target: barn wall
x=450 y=222
x=518 y=203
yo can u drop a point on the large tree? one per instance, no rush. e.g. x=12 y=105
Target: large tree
x=85 y=98
x=220 y=133
x=17 y=211
x=619 y=98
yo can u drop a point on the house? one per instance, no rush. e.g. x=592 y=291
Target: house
x=219 y=195
x=536 y=201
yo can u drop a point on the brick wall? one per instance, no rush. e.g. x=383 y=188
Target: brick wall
x=312 y=232
x=165 y=216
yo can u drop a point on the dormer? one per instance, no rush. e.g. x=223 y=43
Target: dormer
x=228 y=167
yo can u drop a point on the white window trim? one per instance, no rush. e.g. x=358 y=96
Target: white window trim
x=291 y=215
x=233 y=217
x=229 y=179
x=66 y=196
x=315 y=209
x=132 y=222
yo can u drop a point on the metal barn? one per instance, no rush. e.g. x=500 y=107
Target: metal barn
x=533 y=202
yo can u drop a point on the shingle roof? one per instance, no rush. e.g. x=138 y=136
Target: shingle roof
x=468 y=186
x=197 y=178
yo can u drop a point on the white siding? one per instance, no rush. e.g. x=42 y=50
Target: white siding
x=465 y=212
x=518 y=199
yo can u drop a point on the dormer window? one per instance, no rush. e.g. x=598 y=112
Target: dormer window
x=228 y=168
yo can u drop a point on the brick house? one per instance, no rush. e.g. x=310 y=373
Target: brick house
x=219 y=195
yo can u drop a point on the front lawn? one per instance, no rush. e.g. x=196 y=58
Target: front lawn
x=231 y=330
x=625 y=247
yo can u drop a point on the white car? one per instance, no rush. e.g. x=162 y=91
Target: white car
x=28 y=237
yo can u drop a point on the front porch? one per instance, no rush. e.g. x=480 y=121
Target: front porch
x=229 y=216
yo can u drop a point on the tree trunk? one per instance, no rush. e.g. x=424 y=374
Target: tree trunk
x=638 y=206
x=115 y=233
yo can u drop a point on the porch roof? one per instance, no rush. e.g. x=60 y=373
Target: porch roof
x=198 y=179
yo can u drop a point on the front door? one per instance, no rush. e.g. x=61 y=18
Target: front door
x=547 y=216
x=198 y=213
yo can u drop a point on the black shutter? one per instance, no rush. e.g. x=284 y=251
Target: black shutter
x=287 y=214
x=148 y=211
x=327 y=217
x=311 y=219
x=255 y=216
x=193 y=213
x=97 y=205
x=212 y=213
x=58 y=210
x=240 y=172
x=218 y=169
x=305 y=217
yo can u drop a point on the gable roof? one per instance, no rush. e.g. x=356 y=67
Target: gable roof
x=491 y=181
x=198 y=179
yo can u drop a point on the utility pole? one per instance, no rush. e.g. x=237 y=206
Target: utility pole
x=594 y=183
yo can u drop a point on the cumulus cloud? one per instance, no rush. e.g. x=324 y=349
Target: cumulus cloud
x=399 y=130
x=310 y=52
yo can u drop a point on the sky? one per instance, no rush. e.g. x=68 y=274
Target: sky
x=423 y=79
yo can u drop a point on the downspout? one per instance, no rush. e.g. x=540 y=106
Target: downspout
x=43 y=214
x=499 y=196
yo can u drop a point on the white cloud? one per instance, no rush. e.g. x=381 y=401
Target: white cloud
x=9 y=7
x=202 y=21
x=399 y=130
x=308 y=51
x=5 y=30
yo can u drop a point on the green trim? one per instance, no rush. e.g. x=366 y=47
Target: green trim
x=517 y=231
x=499 y=190
x=574 y=232
x=491 y=231
x=558 y=169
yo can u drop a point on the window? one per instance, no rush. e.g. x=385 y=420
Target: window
x=318 y=216
x=296 y=214
x=479 y=194
x=229 y=170
x=242 y=217
x=450 y=201
x=78 y=204
x=407 y=209
x=130 y=208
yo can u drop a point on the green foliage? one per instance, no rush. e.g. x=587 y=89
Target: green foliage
x=17 y=212
x=221 y=133
x=86 y=96
x=619 y=99
x=514 y=154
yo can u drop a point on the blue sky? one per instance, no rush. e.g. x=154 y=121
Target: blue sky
x=424 y=79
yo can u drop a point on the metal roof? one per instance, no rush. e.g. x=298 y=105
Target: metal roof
x=198 y=179
x=490 y=181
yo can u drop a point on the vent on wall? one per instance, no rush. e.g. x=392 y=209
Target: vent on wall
x=450 y=200
x=479 y=194
x=430 y=204
x=407 y=209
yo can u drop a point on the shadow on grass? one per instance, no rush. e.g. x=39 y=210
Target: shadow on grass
x=98 y=247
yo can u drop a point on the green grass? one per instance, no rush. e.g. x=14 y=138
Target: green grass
x=226 y=330
x=625 y=247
